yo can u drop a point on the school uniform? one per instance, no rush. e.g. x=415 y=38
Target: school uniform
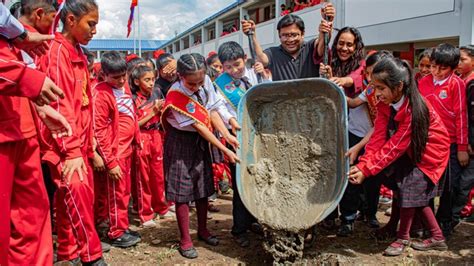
x=116 y=130
x=66 y=65
x=25 y=226
x=187 y=156
x=448 y=98
x=150 y=184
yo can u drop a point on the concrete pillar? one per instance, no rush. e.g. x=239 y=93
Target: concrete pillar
x=466 y=10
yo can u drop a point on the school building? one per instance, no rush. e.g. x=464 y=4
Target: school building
x=126 y=46
x=405 y=27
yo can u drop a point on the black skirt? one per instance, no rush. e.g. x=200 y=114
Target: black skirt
x=411 y=186
x=187 y=166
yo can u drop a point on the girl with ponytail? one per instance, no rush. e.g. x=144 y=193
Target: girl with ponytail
x=410 y=147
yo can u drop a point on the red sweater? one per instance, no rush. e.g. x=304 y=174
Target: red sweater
x=66 y=65
x=113 y=133
x=380 y=152
x=449 y=101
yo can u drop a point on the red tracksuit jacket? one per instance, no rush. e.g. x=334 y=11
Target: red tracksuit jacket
x=66 y=64
x=16 y=79
x=449 y=101
x=381 y=152
x=106 y=125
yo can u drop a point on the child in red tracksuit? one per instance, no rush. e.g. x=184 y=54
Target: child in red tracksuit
x=447 y=93
x=150 y=184
x=67 y=157
x=116 y=128
x=411 y=145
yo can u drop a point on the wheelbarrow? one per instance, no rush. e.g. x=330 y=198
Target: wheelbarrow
x=293 y=170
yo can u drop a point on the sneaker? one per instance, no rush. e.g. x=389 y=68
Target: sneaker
x=126 y=240
x=430 y=244
x=397 y=248
x=190 y=253
x=373 y=223
x=105 y=247
x=168 y=214
x=385 y=201
x=99 y=262
x=346 y=229
x=149 y=224
x=242 y=240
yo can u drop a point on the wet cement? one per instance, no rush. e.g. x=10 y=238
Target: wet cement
x=292 y=178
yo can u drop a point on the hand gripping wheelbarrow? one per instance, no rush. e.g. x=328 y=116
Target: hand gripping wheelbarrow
x=293 y=169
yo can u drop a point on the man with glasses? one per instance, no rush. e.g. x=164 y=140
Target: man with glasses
x=293 y=58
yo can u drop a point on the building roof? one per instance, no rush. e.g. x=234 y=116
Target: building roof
x=122 y=45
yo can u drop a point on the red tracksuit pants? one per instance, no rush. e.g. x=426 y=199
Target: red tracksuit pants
x=75 y=227
x=118 y=197
x=150 y=182
x=25 y=225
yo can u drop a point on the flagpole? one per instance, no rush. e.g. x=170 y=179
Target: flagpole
x=139 y=32
x=134 y=36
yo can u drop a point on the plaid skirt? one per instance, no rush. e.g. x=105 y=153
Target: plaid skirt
x=411 y=186
x=187 y=166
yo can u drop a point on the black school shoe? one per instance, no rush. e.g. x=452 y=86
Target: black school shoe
x=190 y=253
x=126 y=240
x=345 y=230
x=211 y=240
x=242 y=239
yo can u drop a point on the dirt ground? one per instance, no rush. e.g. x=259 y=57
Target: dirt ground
x=159 y=246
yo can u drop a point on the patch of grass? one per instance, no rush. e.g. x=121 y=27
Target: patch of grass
x=167 y=253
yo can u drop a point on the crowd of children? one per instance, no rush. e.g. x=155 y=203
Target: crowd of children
x=159 y=133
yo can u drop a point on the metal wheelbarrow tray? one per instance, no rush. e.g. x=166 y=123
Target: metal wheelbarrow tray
x=293 y=139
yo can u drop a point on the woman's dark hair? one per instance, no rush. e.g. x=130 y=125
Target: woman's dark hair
x=151 y=61
x=78 y=8
x=211 y=59
x=132 y=63
x=26 y=7
x=137 y=73
x=289 y=20
x=445 y=54
x=375 y=57
x=469 y=49
x=113 y=62
x=228 y=51
x=342 y=69
x=393 y=72
x=190 y=63
x=426 y=53
x=163 y=60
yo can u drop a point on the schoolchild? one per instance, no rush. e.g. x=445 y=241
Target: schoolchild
x=150 y=184
x=166 y=72
x=116 y=129
x=214 y=62
x=424 y=64
x=466 y=63
x=410 y=141
x=447 y=93
x=67 y=157
x=187 y=159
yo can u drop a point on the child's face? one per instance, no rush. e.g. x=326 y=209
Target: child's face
x=466 y=63
x=385 y=93
x=84 y=28
x=146 y=83
x=368 y=73
x=424 y=66
x=345 y=46
x=235 y=68
x=440 y=72
x=217 y=65
x=194 y=81
x=116 y=80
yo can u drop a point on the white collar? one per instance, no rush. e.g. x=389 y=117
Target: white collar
x=398 y=104
x=440 y=82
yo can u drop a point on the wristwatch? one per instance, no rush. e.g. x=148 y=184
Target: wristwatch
x=20 y=38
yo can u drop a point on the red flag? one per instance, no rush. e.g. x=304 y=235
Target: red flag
x=130 y=19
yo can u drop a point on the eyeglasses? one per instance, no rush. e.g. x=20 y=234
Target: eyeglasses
x=287 y=36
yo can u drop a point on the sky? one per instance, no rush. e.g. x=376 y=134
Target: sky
x=159 y=18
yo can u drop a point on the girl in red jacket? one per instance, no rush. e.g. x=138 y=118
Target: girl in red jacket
x=150 y=184
x=411 y=145
x=67 y=157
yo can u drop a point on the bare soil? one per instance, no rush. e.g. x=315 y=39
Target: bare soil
x=159 y=246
